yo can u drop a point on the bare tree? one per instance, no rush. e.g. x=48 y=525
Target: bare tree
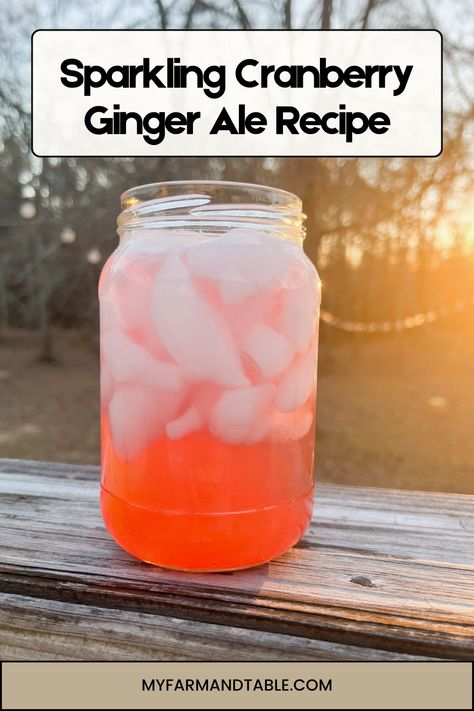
x=373 y=225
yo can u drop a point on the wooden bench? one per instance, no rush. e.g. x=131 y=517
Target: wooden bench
x=381 y=574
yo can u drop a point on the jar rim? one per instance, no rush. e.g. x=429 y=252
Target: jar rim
x=211 y=205
x=140 y=193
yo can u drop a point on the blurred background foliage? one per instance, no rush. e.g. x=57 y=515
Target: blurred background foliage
x=392 y=238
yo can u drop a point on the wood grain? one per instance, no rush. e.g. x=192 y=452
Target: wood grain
x=35 y=629
x=378 y=570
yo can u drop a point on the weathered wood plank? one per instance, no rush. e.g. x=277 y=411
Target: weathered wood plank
x=415 y=549
x=35 y=629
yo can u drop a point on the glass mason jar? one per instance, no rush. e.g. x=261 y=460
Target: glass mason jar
x=209 y=314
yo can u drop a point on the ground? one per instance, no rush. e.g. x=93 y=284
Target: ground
x=390 y=414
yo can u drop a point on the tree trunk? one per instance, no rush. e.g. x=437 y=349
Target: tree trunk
x=46 y=354
x=46 y=337
x=326 y=15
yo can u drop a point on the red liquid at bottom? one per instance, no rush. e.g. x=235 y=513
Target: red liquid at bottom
x=198 y=504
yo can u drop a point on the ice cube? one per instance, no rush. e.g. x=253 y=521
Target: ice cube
x=260 y=431
x=290 y=426
x=242 y=263
x=148 y=241
x=106 y=385
x=192 y=330
x=203 y=397
x=241 y=317
x=298 y=383
x=233 y=287
x=151 y=241
x=241 y=235
x=109 y=316
x=211 y=260
x=299 y=314
x=238 y=412
x=190 y=421
x=269 y=349
x=264 y=264
x=283 y=427
x=210 y=256
x=138 y=415
x=208 y=259
x=129 y=362
x=125 y=301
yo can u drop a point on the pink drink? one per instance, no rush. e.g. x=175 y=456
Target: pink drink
x=208 y=351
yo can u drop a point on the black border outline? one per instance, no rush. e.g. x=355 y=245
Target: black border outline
x=316 y=662
x=280 y=29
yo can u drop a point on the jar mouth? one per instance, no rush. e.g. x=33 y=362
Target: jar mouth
x=211 y=205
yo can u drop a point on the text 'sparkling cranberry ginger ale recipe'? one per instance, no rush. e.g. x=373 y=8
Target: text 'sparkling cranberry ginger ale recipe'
x=209 y=334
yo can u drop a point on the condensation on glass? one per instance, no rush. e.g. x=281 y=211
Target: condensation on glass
x=209 y=332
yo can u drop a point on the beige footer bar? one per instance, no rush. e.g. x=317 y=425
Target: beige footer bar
x=236 y=685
